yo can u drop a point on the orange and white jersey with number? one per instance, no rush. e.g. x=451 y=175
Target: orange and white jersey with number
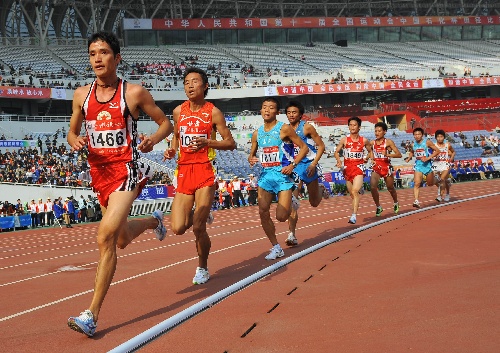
x=353 y=151
x=192 y=124
x=111 y=128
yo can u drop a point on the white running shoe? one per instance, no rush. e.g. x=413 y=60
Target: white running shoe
x=295 y=203
x=160 y=231
x=439 y=198
x=416 y=204
x=352 y=220
x=276 y=251
x=210 y=218
x=201 y=276
x=447 y=197
x=291 y=240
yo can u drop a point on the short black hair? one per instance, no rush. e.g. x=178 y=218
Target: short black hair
x=272 y=99
x=418 y=129
x=382 y=125
x=356 y=119
x=439 y=132
x=199 y=71
x=107 y=37
x=296 y=104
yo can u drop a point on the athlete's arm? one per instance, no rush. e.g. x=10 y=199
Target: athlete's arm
x=174 y=144
x=340 y=145
x=452 y=152
x=74 y=139
x=410 y=153
x=431 y=144
x=309 y=130
x=140 y=98
x=252 y=158
x=227 y=142
x=288 y=133
x=368 y=147
x=391 y=146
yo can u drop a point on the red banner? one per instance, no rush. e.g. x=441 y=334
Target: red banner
x=379 y=86
x=321 y=22
x=24 y=92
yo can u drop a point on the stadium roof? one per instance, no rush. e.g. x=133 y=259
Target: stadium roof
x=78 y=18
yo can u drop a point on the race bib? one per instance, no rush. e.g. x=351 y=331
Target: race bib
x=107 y=139
x=353 y=155
x=270 y=157
x=419 y=153
x=187 y=138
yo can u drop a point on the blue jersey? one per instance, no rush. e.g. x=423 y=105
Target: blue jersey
x=420 y=151
x=308 y=141
x=274 y=153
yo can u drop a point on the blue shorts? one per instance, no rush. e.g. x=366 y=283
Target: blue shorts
x=274 y=181
x=301 y=171
x=424 y=168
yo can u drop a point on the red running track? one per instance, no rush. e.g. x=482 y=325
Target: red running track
x=426 y=282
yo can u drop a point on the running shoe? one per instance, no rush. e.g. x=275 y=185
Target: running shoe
x=396 y=208
x=160 y=231
x=295 y=203
x=416 y=204
x=352 y=220
x=84 y=323
x=291 y=240
x=324 y=191
x=210 y=218
x=447 y=197
x=276 y=251
x=379 y=211
x=362 y=191
x=201 y=276
x=439 y=198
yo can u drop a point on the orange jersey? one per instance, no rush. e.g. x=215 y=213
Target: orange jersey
x=378 y=153
x=111 y=129
x=195 y=124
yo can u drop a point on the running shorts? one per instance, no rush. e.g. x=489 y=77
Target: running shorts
x=423 y=168
x=274 y=181
x=384 y=170
x=191 y=177
x=351 y=171
x=440 y=166
x=301 y=171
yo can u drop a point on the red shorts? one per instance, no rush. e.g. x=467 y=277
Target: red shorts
x=384 y=170
x=191 y=177
x=109 y=178
x=351 y=171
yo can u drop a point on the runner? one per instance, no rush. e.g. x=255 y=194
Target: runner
x=110 y=108
x=382 y=151
x=196 y=122
x=441 y=165
x=308 y=170
x=423 y=168
x=277 y=167
x=354 y=162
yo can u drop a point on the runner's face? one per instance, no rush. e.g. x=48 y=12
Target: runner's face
x=440 y=139
x=293 y=115
x=102 y=59
x=269 y=111
x=194 y=86
x=418 y=136
x=353 y=127
x=379 y=133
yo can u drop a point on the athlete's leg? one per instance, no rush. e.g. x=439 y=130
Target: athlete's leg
x=294 y=215
x=315 y=193
x=374 y=180
x=113 y=230
x=356 y=185
x=181 y=216
x=417 y=180
x=389 y=183
x=264 y=202
x=203 y=200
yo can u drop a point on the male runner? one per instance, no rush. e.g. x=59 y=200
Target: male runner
x=308 y=170
x=196 y=122
x=420 y=149
x=441 y=165
x=354 y=161
x=110 y=107
x=382 y=151
x=277 y=168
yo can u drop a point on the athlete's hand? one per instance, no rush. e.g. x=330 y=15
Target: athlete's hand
x=78 y=143
x=310 y=170
x=168 y=154
x=339 y=164
x=252 y=160
x=287 y=170
x=146 y=144
x=198 y=143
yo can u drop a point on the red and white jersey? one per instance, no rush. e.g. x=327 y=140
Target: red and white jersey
x=195 y=124
x=353 y=151
x=378 y=153
x=33 y=208
x=444 y=155
x=111 y=129
x=40 y=207
x=49 y=206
